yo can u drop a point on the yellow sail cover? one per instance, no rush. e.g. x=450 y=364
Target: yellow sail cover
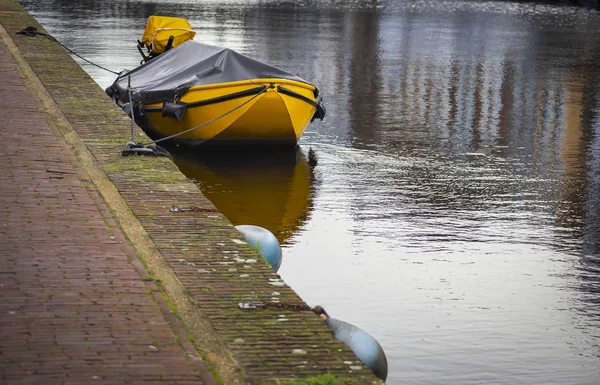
x=160 y=28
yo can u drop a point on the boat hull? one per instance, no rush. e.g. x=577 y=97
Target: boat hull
x=253 y=112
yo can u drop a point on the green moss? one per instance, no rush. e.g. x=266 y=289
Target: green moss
x=131 y=163
x=169 y=303
x=325 y=379
x=152 y=278
x=209 y=365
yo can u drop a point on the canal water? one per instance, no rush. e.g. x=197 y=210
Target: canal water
x=449 y=203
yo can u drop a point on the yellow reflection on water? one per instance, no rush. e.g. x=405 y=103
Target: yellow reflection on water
x=267 y=188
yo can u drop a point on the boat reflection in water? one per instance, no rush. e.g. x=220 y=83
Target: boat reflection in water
x=270 y=188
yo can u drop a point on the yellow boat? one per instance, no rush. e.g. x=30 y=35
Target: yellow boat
x=194 y=93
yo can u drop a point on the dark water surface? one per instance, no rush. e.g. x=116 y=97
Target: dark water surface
x=454 y=211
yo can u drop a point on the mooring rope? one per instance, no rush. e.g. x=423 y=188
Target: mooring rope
x=210 y=121
x=33 y=31
x=140 y=148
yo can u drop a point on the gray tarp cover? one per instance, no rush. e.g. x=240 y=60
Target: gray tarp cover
x=188 y=65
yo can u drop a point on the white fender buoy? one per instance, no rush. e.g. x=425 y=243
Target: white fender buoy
x=264 y=241
x=366 y=348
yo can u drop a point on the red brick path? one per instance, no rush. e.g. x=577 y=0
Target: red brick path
x=74 y=307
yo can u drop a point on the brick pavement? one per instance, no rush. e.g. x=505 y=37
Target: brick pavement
x=74 y=307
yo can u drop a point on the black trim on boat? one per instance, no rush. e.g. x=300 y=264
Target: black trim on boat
x=168 y=108
x=237 y=95
x=319 y=113
x=220 y=99
x=296 y=95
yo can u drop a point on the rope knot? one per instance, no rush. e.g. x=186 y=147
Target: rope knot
x=29 y=31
